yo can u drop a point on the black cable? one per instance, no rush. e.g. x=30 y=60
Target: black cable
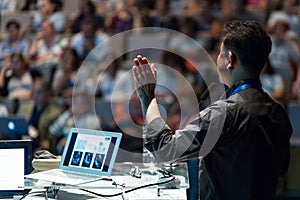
x=165 y=174
x=130 y=190
x=31 y=193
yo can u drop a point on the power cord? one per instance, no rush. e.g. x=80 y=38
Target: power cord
x=55 y=188
x=165 y=174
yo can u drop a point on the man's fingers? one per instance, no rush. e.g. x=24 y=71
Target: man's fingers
x=153 y=69
x=144 y=73
x=135 y=72
x=140 y=59
x=144 y=60
x=136 y=62
x=136 y=76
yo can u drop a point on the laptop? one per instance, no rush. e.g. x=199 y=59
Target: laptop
x=15 y=159
x=13 y=125
x=89 y=155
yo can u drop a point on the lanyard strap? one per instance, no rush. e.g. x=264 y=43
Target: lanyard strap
x=240 y=88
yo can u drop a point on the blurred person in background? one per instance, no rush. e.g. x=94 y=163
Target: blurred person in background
x=40 y=111
x=13 y=42
x=122 y=16
x=162 y=17
x=284 y=57
x=9 y=5
x=201 y=11
x=261 y=8
x=64 y=77
x=272 y=82
x=289 y=12
x=4 y=111
x=187 y=46
x=211 y=39
x=50 y=10
x=79 y=115
x=237 y=10
x=30 y=5
x=296 y=87
x=87 y=10
x=87 y=40
x=15 y=78
x=108 y=79
x=45 y=47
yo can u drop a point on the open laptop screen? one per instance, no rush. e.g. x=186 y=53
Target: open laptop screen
x=91 y=152
x=15 y=159
x=13 y=125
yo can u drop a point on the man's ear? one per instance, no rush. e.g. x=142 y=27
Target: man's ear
x=231 y=60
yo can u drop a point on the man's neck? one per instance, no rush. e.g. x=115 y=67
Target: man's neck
x=241 y=75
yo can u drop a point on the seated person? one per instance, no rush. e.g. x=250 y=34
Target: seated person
x=15 y=78
x=13 y=43
x=45 y=47
x=50 y=9
x=64 y=77
x=40 y=112
x=272 y=82
x=87 y=39
x=88 y=9
x=78 y=115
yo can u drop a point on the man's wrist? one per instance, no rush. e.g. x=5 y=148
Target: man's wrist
x=145 y=102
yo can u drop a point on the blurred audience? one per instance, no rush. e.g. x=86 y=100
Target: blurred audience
x=13 y=43
x=40 y=112
x=79 y=115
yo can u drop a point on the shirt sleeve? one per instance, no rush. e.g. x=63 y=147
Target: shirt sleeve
x=188 y=142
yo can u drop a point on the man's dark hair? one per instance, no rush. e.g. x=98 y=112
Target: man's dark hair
x=250 y=42
x=12 y=22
